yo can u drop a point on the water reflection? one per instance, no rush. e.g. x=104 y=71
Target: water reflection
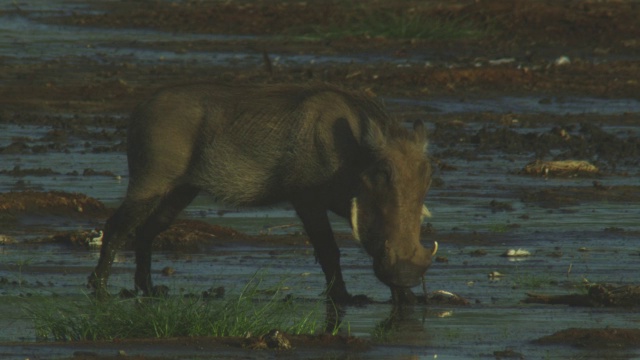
x=405 y=325
x=334 y=317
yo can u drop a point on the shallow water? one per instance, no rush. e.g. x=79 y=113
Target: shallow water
x=466 y=193
x=495 y=321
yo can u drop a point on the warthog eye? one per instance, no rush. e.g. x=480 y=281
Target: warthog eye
x=381 y=176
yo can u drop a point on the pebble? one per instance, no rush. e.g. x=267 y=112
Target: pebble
x=562 y=60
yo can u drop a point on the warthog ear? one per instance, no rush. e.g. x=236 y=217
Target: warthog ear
x=420 y=132
x=370 y=134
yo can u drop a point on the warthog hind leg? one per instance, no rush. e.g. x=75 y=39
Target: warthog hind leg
x=117 y=228
x=403 y=296
x=146 y=218
x=168 y=209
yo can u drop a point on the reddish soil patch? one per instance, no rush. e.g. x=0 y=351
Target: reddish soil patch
x=51 y=203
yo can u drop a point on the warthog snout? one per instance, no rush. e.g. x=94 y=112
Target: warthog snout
x=395 y=271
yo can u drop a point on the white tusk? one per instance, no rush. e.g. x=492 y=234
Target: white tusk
x=435 y=248
x=425 y=212
x=354 y=219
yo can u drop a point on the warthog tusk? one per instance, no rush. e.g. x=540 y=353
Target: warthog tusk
x=435 y=248
x=354 y=219
x=425 y=212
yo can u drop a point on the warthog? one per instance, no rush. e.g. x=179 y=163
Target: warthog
x=319 y=147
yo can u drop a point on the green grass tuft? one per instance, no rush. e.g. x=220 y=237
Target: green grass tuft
x=251 y=311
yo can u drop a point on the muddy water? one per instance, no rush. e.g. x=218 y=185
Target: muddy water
x=594 y=241
x=569 y=245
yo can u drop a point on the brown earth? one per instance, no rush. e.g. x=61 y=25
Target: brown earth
x=601 y=39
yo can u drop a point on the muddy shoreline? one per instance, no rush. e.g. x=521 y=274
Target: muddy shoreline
x=508 y=59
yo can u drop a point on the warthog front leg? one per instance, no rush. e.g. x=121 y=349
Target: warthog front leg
x=403 y=296
x=316 y=224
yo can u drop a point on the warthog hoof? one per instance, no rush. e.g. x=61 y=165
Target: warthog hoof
x=97 y=284
x=160 y=291
x=403 y=296
x=346 y=299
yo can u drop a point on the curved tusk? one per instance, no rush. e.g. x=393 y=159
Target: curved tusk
x=354 y=219
x=425 y=212
x=435 y=248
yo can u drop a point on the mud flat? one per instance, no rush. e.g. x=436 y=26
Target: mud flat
x=495 y=100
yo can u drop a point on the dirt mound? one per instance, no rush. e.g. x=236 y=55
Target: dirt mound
x=564 y=168
x=193 y=235
x=57 y=203
x=598 y=295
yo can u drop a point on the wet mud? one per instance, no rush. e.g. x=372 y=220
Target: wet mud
x=595 y=338
x=307 y=346
x=574 y=65
x=597 y=295
x=14 y=205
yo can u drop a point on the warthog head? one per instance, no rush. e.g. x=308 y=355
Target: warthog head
x=388 y=208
